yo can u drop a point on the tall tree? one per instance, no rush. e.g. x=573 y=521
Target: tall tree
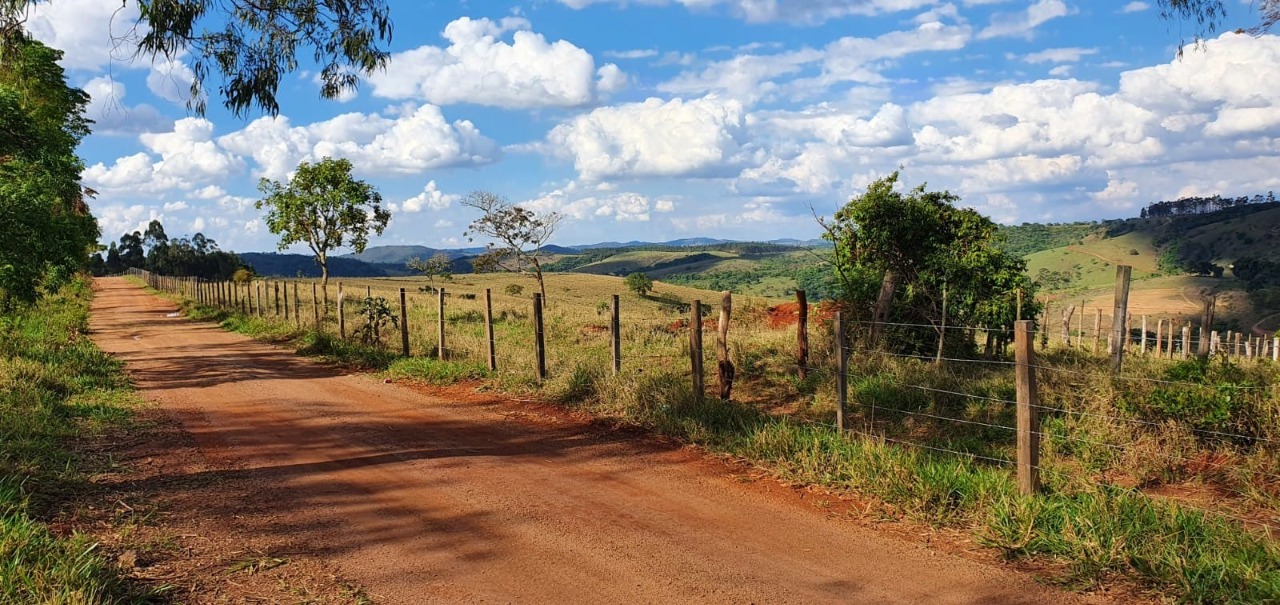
x=45 y=226
x=324 y=207
x=250 y=44
x=520 y=235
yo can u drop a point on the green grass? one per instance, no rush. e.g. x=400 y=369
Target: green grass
x=55 y=386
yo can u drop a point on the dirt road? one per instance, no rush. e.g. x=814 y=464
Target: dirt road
x=423 y=500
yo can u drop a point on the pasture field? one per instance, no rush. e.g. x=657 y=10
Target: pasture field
x=1164 y=474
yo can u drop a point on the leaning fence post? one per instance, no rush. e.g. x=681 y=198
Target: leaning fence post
x=404 y=323
x=540 y=347
x=802 y=335
x=695 y=349
x=488 y=328
x=440 y=323
x=615 y=336
x=1119 y=318
x=842 y=374
x=1028 y=413
x=722 y=346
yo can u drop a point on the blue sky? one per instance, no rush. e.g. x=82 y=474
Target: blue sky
x=663 y=119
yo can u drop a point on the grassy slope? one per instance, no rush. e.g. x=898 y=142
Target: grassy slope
x=55 y=386
x=641 y=260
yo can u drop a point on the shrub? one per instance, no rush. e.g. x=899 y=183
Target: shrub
x=514 y=289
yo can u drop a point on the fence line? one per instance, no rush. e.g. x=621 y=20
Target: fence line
x=476 y=330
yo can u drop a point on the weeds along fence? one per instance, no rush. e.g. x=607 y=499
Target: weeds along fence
x=1163 y=407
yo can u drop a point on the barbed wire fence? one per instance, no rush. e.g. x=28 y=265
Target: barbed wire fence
x=1002 y=425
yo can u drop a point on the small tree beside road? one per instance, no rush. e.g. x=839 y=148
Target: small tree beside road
x=325 y=207
x=520 y=235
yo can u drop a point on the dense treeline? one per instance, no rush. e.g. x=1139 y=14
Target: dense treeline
x=154 y=251
x=46 y=230
x=1202 y=205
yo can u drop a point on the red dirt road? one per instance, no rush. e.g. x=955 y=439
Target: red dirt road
x=423 y=500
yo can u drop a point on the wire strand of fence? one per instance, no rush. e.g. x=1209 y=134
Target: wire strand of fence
x=947 y=418
x=1152 y=423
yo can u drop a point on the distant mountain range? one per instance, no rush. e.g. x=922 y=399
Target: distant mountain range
x=389 y=261
x=401 y=254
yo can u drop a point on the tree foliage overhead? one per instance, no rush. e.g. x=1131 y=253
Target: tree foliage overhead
x=324 y=207
x=1206 y=15
x=519 y=235
x=928 y=246
x=250 y=45
x=45 y=227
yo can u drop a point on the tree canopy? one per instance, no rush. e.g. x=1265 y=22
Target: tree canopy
x=251 y=45
x=1206 y=15
x=45 y=227
x=324 y=207
x=896 y=254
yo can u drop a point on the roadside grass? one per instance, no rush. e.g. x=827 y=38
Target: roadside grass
x=1107 y=443
x=55 y=387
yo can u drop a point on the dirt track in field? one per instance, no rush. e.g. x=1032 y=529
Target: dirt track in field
x=419 y=499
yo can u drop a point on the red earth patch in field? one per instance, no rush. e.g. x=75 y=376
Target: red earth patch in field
x=788 y=314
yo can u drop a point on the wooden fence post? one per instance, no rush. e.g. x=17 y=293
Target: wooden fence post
x=615 y=336
x=342 y=312
x=942 y=333
x=1045 y=327
x=1206 y=324
x=722 y=346
x=297 y=306
x=1214 y=343
x=404 y=322
x=488 y=327
x=440 y=324
x=695 y=350
x=1028 y=409
x=1119 y=325
x=276 y=286
x=1142 y=348
x=1080 y=328
x=262 y=288
x=842 y=374
x=802 y=335
x=1275 y=349
x=286 y=301
x=1186 y=340
x=540 y=347
x=1097 y=330
x=1066 y=324
x=1159 y=335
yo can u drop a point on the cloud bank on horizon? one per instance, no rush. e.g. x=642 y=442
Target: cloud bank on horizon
x=660 y=119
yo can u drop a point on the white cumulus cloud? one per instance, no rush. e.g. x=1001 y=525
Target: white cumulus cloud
x=480 y=67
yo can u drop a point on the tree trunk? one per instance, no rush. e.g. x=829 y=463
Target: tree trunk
x=884 y=304
x=542 y=286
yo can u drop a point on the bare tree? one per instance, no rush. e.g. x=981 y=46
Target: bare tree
x=439 y=265
x=519 y=235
